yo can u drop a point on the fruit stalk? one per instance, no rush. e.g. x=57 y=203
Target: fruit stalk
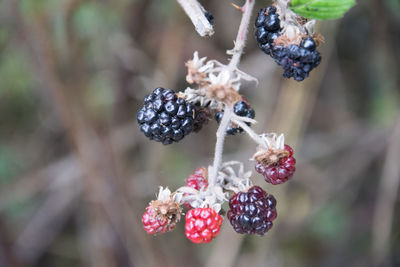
x=253 y=135
x=219 y=145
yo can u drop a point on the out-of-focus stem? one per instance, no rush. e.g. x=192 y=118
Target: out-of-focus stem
x=196 y=13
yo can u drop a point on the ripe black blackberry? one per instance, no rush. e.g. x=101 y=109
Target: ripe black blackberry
x=252 y=212
x=241 y=108
x=297 y=60
x=165 y=117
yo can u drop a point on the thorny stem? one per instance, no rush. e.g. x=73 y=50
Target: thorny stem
x=196 y=13
x=219 y=145
x=240 y=42
x=236 y=53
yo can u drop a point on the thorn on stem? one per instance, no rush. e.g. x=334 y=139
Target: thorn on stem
x=238 y=7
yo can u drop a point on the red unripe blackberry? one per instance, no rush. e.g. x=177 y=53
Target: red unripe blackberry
x=279 y=171
x=202 y=225
x=252 y=212
x=197 y=180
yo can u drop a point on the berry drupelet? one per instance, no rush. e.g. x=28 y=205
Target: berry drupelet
x=279 y=171
x=241 y=108
x=296 y=59
x=202 y=225
x=267 y=28
x=165 y=117
x=252 y=212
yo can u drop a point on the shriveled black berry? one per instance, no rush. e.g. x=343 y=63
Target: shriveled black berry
x=252 y=212
x=241 y=108
x=166 y=118
x=296 y=60
x=202 y=116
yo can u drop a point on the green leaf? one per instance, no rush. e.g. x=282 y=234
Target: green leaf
x=321 y=9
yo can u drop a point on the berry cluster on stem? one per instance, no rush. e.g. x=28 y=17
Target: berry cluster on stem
x=168 y=117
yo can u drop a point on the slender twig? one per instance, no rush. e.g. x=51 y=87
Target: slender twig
x=240 y=42
x=196 y=13
x=253 y=135
x=219 y=145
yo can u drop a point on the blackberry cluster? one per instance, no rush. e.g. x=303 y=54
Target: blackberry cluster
x=252 y=212
x=296 y=60
x=165 y=117
x=241 y=108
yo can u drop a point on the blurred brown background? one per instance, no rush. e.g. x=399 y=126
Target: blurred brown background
x=76 y=173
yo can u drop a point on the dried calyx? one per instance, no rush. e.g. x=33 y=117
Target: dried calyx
x=214 y=85
x=166 y=206
x=274 y=159
x=228 y=180
x=272 y=150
